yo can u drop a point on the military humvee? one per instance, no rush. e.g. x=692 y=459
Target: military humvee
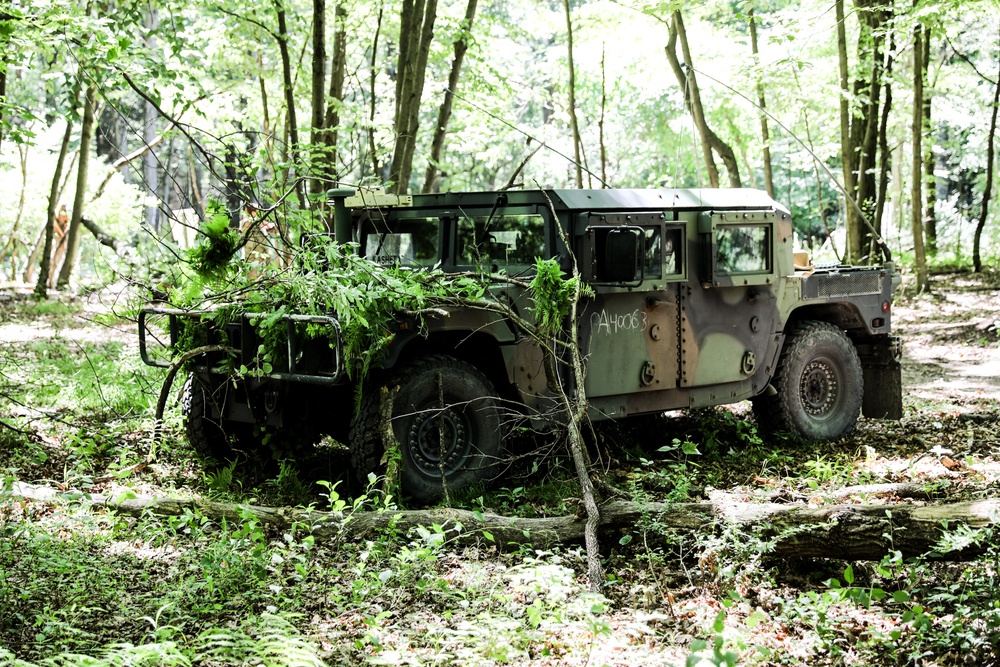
x=699 y=300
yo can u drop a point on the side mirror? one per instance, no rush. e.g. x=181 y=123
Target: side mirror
x=621 y=256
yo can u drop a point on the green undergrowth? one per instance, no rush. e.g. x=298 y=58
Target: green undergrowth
x=81 y=585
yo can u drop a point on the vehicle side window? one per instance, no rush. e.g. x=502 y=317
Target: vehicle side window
x=512 y=242
x=652 y=253
x=673 y=251
x=413 y=242
x=743 y=249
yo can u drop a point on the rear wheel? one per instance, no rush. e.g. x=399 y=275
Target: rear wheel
x=819 y=385
x=445 y=416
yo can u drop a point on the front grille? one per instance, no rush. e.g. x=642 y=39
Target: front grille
x=830 y=285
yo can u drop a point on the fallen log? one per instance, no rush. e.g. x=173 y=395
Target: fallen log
x=847 y=532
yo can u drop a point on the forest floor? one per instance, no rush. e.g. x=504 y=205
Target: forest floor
x=78 y=581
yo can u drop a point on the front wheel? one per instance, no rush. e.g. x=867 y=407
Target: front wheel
x=205 y=434
x=819 y=385
x=446 y=420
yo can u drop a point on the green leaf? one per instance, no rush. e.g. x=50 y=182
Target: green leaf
x=901 y=596
x=720 y=621
x=690 y=448
x=849 y=575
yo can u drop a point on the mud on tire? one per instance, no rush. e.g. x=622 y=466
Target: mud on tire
x=819 y=385
x=469 y=422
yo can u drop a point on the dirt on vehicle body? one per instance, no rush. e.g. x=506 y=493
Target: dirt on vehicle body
x=698 y=300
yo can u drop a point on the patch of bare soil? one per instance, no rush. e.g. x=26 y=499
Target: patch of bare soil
x=952 y=343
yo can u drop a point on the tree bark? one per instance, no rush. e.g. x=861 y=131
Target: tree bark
x=288 y=86
x=444 y=112
x=883 y=143
x=3 y=92
x=574 y=126
x=600 y=123
x=150 y=165
x=318 y=88
x=11 y=245
x=692 y=96
x=859 y=127
x=42 y=285
x=916 y=190
x=761 y=102
x=930 y=187
x=844 y=531
x=846 y=148
x=73 y=233
x=372 y=148
x=977 y=261
x=415 y=35
x=338 y=69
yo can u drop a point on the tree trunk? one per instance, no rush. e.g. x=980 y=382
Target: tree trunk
x=3 y=92
x=269 y=140
x=883 y=143
x=867 y=147
x=916 y=190
x=318 y=90
x=692 y=97
x=930 y=187
x=372 y=147
x=14 y=238
x=42 y=285
x=288 y=86
x=761 y=102
x=600 y=124
x=846 y=148
x=977 y=261
x=73 y=234
x=845 y=532
x=416 y=32
x=859 y=128
x=444 y=112
x=150 y=165
x=574 y=126
x=338 y=69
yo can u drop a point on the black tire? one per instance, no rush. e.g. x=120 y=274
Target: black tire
x=819 y=385
x=205 y=434
x=471 y=422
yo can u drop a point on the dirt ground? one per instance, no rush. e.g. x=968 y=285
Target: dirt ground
x=952 y=341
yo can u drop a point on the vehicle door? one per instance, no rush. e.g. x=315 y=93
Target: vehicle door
x=729 y=318
x=629 y=330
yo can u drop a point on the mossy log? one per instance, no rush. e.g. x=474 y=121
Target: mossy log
x=799 y=530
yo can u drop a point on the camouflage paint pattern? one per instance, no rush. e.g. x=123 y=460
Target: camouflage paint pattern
x=699 y=321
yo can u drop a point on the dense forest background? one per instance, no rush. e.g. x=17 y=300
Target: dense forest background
x=132 y=119
x=126 y=128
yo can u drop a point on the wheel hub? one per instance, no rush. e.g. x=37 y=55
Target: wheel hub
x=439 y=441
x=818 y=388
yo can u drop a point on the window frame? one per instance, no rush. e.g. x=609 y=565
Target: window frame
x=710 y=223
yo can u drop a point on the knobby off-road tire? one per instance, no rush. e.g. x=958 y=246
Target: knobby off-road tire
x=470 y=422
x=203 y=432
x=819 y=385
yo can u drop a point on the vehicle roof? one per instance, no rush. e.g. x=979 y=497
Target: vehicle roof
x=614 y=199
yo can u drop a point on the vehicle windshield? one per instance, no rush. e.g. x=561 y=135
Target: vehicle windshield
x=508 y=243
